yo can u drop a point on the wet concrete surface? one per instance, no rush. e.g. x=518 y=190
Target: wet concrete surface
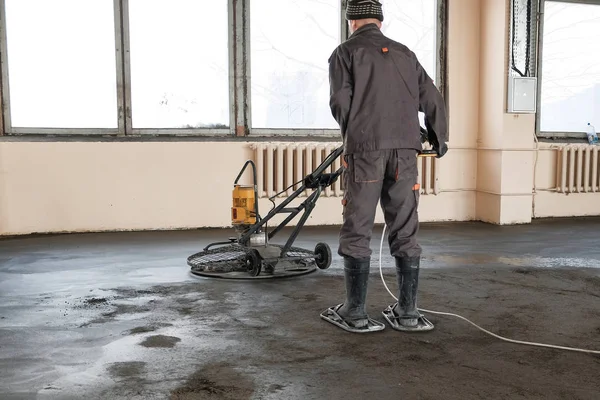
x=118 y=316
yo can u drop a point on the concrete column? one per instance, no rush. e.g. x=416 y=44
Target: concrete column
x=506 y=141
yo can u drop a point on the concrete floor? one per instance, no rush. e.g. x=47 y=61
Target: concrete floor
x=118 y=316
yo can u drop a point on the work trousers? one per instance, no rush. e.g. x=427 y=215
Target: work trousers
x=388 y=177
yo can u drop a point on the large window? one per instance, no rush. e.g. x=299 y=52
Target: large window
x=184 y=67
x=570 y=67
x=289 y=70
x=61 y=63
x=179 y=63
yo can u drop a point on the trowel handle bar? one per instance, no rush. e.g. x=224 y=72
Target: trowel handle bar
x=427 y=153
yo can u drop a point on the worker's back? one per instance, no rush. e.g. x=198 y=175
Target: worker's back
x=388 y=83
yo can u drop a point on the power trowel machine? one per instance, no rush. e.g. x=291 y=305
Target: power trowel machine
x=250 y=254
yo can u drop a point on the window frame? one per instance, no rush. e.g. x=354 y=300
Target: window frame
x=240 y=123
x=539 y=72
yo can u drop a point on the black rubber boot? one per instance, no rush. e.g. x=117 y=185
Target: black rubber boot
x=354 y=310
x=407 y=274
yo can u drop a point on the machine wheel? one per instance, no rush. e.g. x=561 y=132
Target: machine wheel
x=253 y=263
x=323 y=253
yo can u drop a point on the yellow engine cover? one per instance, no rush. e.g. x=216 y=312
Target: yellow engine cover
x=242 y=212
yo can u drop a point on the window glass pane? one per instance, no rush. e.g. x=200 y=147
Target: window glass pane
x=570 y=95
x=413 y=23
x=61 y=63
x=179 y=63
x=291 y=42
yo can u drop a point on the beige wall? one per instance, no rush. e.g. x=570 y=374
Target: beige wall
x=505 y=173
x=67 y=187
x=105 y=186
x=488 y=174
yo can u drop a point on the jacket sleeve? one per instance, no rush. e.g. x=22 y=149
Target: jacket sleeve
x=340 y=84
x=432 y=104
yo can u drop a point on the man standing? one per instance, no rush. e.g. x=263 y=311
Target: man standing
x=378 y=88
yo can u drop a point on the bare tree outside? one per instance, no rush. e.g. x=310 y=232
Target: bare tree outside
x=413 y=23
x=290 y=83
x=289 y=78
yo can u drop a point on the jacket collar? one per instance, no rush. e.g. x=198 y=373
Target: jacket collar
x=369 y=28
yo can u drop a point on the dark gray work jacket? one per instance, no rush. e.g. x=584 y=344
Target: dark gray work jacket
x=378 y=88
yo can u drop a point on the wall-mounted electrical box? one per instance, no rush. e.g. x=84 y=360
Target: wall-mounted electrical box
x=522 y=93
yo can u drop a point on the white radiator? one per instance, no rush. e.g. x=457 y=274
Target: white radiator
x=577 y=169
x=281 y=165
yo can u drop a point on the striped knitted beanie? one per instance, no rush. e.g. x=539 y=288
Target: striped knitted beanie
x=363 y=9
